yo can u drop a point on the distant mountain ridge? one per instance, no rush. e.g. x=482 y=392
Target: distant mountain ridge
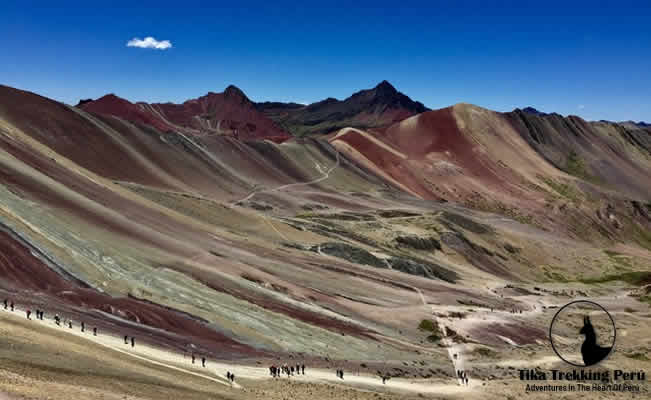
x=380 y=106
x=228 y=113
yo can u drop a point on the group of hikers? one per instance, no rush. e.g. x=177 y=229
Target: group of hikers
x=57 y=320
x=289 y=370
x=133 y=340
x=40 y=315
x=9 y=305
x=274 y=371
x=463 y=376
x=194 y=358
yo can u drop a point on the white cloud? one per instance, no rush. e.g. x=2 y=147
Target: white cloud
x=149 y=43
x=581 y=106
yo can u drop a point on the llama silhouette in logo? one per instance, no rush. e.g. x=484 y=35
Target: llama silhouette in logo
x=592 y=353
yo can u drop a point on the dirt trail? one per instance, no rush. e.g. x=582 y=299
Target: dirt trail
x=216 y=371
x=323 y=177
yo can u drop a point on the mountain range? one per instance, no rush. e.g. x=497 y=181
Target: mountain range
x=234 y=225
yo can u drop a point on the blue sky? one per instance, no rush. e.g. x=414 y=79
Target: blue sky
x=591 y=59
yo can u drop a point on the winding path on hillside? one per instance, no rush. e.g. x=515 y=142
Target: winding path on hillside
x=323 y=177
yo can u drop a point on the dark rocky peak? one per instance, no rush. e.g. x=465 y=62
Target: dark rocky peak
x=385 y=87
x=233 y=91
x=83 y=101
x=531 y=110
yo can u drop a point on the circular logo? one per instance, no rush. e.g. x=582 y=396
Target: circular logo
x=582 y=333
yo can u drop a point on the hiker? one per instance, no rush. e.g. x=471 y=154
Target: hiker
x=126 y=339
x=193 y=358
x=5 y=304
x=292 y=370
x=57 y=319
x=29 y=312
x=11 y=306
x=133 y=341
x=232 y=377
x=298 y=369
x=203 y=362
x=466 y=381
x=83 y=326
x=70 y=324
x=94 y=331
x=303 y=369
x=228 y=375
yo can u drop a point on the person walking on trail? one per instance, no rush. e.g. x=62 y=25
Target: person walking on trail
x=133 y=341
x=193 y=359
x=292 y=370
x=94 y=331
x=126 y=339
x=203 y=362
x=5 y=304
x=233 y=377
x=83 y=326
x=57 y=319
x=70 y=324
x=303 y=369
x=29 y=312
x=298 y=369
x=11 y=306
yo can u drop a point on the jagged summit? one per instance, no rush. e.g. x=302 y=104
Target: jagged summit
x=379 y=106
x=385 y=86
x=235 y=92
x=531 y=110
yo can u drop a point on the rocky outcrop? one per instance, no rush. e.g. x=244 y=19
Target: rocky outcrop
x=350 y=253
x=419 y=243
